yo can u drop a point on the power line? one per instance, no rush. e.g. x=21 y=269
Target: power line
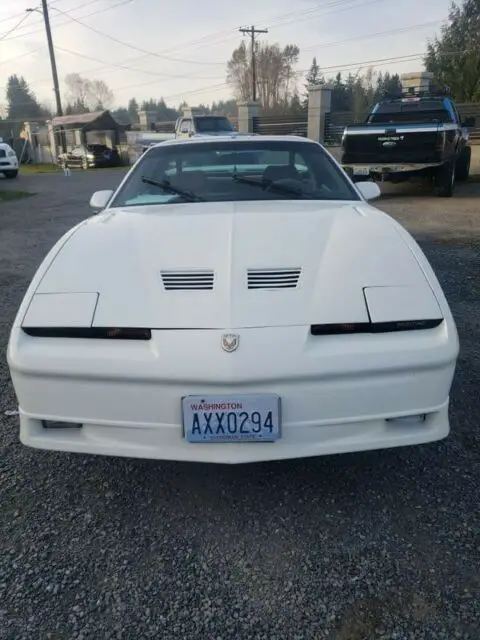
x=127 y=68
x=371 y=36
x=131 y=46
x=82 y=6
x=252 y=32
x=25 y=17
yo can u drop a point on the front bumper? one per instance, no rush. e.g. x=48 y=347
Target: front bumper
x=338 y=392
x=10 y=163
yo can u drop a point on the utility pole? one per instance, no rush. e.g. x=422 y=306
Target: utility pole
x=51 y=52
x=53 y=64
x=252 y=32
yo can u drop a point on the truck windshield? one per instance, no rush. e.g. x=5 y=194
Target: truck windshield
x=421 y=111
x=234 y=171
x=206 y=124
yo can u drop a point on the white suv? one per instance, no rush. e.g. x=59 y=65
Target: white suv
x=8 y=161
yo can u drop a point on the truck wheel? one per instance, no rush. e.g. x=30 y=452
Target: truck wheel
x=11 y=175
x=445 y=180
x=463 y=165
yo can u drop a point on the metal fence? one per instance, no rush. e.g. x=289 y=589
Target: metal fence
x=281 y=125
x=471 y=110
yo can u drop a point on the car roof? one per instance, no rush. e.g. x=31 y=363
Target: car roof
x=242 y=137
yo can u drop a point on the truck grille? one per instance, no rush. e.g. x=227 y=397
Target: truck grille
x=188 y=280
x=273 y=278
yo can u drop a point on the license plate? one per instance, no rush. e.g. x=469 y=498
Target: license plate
x=361 y=171
x=248 y=418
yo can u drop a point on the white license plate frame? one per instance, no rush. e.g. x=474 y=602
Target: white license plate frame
x=240 y=422
x=361 y=171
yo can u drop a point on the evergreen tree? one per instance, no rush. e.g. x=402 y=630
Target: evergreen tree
x=22 y=103
x=133 y=110
x=314 y=77
x=454 y=57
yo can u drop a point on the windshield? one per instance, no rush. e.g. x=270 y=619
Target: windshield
x=207 y=124
x=234 y=171
x=421 y=112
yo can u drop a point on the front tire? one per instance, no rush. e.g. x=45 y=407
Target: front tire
x=463 y=165
x=10 y=175
x=445 y=180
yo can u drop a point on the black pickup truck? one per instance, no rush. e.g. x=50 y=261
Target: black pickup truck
x=411 y=136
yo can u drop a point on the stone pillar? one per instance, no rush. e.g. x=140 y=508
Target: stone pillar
x=247 y=111
x=319 y=101
x=147 y=120
x=53 y=142
x=30 y=128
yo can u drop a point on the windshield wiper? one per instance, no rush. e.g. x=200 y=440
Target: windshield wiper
x=167 y=186
x=272 y=186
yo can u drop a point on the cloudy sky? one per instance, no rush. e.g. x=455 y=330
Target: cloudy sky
x=179 y=49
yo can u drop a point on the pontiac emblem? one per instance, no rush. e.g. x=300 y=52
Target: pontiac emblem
x=230 y=342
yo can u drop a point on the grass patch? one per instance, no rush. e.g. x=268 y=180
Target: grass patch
x=34 y=169
x=28 y=169
x=7 y=196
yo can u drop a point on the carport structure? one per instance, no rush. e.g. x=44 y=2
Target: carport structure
x=99 y=127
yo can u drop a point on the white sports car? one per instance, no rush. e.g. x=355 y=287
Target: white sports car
x=236 y=299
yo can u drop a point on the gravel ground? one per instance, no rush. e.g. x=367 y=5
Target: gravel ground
x=354 y=547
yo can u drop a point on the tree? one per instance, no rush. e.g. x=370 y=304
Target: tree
x=275 y=73
x=454 y=57
x=86 y=95
x=313 y=78
x=100 y=97
x=163 y=113
x=133 y=110
x=22 y=103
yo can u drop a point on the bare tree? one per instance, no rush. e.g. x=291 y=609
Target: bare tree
x=276 y=75
x=99 y=95
x=239 y=71
x=87 y=95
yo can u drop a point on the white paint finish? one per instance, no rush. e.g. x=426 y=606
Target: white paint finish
x=122 y=254
x=369 y=190
x=336 y=391
x=99 y=199
x=389 y=304
x=61 y=310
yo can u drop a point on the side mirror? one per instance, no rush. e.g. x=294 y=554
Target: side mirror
x=468 y=122
x=369 y=190
x=100 y=199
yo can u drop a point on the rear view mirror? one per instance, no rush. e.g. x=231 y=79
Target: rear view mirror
x=469 y=122
x=100 y=199
x=369 y=190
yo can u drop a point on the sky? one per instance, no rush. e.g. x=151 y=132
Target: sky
x=179 y=50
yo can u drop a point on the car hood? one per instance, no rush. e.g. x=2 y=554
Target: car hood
x=127 y=257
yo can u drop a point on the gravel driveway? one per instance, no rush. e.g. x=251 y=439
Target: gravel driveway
x=352 y=547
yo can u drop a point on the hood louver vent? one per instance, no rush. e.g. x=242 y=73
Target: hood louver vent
x=273 y=278
x=187 y=280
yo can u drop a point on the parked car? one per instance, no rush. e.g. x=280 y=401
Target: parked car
x=90 y=155
x=8 y=161
x=187 y=126
x=234 y=300
x=410 y=136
